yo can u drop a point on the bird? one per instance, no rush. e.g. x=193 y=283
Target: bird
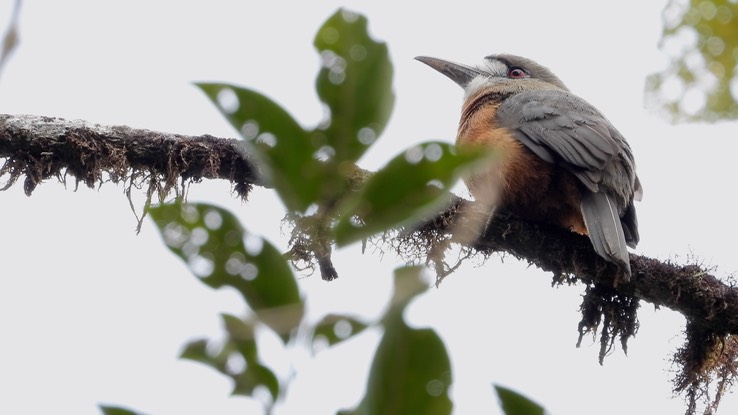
x=560 y=161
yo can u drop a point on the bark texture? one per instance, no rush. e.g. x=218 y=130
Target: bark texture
x=37 y=148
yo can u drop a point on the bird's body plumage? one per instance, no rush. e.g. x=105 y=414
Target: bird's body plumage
x=561 y=161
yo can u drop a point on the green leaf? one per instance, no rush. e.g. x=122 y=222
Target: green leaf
x=514 y=403
x=241 y=334
x=197 y=350
x=221 y=253
x=408 y=284
x=335 y=328
x=117 y=410
x=411 y=374
x=210 y=354
x=355 y=83
x=237 y=358
x=411 y=370
x=702 y=67
x=414 y=184
x=284 y=149
x=254 y=376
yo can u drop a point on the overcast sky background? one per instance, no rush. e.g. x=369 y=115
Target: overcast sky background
x=90 y=312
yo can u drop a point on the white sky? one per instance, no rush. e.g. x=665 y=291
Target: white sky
x=91 y=312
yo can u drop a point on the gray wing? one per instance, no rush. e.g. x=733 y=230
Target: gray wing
x=563 y=129
x=605 y=229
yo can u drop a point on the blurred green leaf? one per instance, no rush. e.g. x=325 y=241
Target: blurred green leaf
x=411 y=374
x=221 y=253
x=237 y=358
x=411 y=371
x=197 y=350
x=414 y=184
x=10 y=41
x=256 y=375
x=241 y=333
x=210 y=354
x=335 y=328
x=284 y=149
x=700 y=40
x=514 y=403
x=355 y=83
x=408 y=284
x=117 y=410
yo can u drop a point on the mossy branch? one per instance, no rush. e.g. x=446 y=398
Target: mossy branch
x=37 y=148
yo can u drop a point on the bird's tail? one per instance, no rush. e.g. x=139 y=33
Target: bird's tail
x=602 y=219
x=630 y=226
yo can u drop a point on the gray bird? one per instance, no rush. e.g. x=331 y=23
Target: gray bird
x=561 y=161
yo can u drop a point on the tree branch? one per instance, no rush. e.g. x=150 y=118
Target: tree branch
x=39 y=148
x=691 y=290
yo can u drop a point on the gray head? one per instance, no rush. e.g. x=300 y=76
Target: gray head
x=494 y=69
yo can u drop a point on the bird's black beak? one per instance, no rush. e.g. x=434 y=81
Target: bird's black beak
x=461 y=74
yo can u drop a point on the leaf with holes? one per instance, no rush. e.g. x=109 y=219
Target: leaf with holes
x=335 y=328
x=514 y=403
x=237 y=358
x=355 y=83
x=254 y=374
x=411 y=370
x=414 y=184
x=284 y=149
x=221 y=253
x=241 y=334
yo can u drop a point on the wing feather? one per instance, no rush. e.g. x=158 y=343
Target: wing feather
x=605 y=230
x=570 y=130
x=563 y=129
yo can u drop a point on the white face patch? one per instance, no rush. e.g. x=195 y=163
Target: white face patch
x=494 y=67
x=493 y=70
x=477 y=84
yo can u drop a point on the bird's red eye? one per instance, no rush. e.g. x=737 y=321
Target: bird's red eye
x=516 y=72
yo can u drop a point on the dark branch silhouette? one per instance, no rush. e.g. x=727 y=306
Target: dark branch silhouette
x=38 y=148
x=691 y=290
